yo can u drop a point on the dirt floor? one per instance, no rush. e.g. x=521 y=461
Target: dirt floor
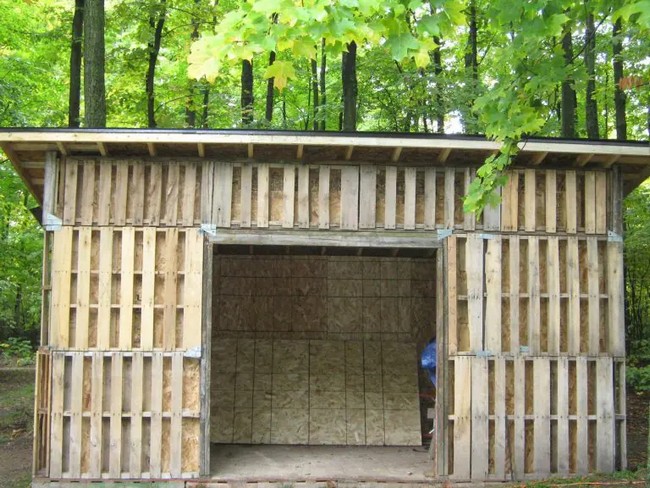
x=637 y=429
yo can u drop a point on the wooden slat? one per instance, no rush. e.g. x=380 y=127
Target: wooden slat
x=207 y=191
x=582 y=431
x=126 y=288
x=135 y=441
x=367 y=196
x=324 y=197
x=493 y=299
x=542 y=412
x=104 y=189
x=156 y=440
x=303 y=196
x=61 y=266
x=246 y=194
x=154 y=194
x=605 y=414
x=76 y=406
x=594 y=296
x=450 y=198
x=136 y=193
x=452 y=294
x=500 y=431
x=463 y=412
x=96 y=410
x=105 y=288
x=479 y=423
x=82 y=321
x=222 y=196
x=148 y=288
x=615 y=302
x=601 y=203
x=513 y=263
x=562 y=415
x=590 y=202
x=533 y=296
x=469 y=218
x=492 y=214
x=56 y=426
x=192 y=289
x=171 y=274
x=171 y=194
x=553 y=288
x=474 y=264
x=429 y=198
x=88 y=193
x=50 y=187
x=570 y=187
x=551 y=200
x=262 y=195
x=390 y=197
x=120 y=196
x=410 y=178
x=573 y=289
x=530 y=200
x=176 y=434
x=519 y=444
x=70 y=192
x=189 y=194
x=115 y=426
x=510 y=203
x=289 y=189
x=620 y=406
x=349 y=198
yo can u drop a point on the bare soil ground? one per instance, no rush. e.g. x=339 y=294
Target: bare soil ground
x=637 y=429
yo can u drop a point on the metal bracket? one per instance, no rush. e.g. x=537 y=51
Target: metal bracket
x=484 y=354
x=52 y=222
x=209 y=229
x=443 y=233
x=613 y=236
x=524 y=349
x=487 y=236
x=194 y=352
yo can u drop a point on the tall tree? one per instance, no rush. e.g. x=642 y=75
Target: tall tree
x=440 y=102
x=323 y=94
x=591 y=106
x=314 y=90
x=157 y=23
x=349 y=80
x=74 y=97
x=246 y=92
x=471 y=68
x=569 y=101
x=270 y=91
x=619 y=94
x=94 y=64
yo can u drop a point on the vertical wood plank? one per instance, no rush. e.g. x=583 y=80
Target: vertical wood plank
x=207 y=192
x=83 y=287
x=126 y=288
x=137 y=193
x=156 y=440
x=492 y=214
x=582 y=432
x=616 y=297
x=148 y=287
x=88 y=193
x=70 y=195
x=510 y=203
x=553 y=287
x=367 y=196
x=246 y=194
x=104 y=189
x=324 y=197
x=222 y=197
x=176 y=434
x=452 y=294
x=262 y=195
x=171 y=194
x=96 y=411
x=105 y=288
x=50 y=187
x=542 y=413
x=474 y=265
x=289 y=189
x=479 y=423
x=533 y=296
x=469 y=218
x=551 y=201
x=56 y=419
x=76 y=405
x=573 y=288
x=514 y=260
x=154 y=194
x=303 y=196
x=519 y=447
x=349 y=197
x=429 y=198
x=500 y=432
x=601 y=203
x=620 y=405
x=135 y=441
x=189 y=194
x=193 y=289
x=530 y=200
x=61 y=267
x=121 y=191
x=571 y=202
x=410 y=177
x=115 y=426
x=390 y=198
x=171 y=274
x=594 y=296
x=493 y=299
x=590 y=202
x=462 y=422
x=563 y=415
x=605 y=415
x=450 y=198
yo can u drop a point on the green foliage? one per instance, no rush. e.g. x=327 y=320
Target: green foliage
x=17 y=348
x=16 y=403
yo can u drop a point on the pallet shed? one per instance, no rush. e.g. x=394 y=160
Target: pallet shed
x=213 y=298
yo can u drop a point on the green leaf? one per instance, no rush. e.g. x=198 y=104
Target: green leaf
x=281 y=72
x=400 y=44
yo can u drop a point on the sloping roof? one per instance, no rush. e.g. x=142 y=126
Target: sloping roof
x=27 y=149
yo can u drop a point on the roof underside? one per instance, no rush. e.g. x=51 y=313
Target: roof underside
x=27 y=149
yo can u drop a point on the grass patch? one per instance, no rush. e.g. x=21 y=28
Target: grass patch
x=16 y=403
x=613 y=480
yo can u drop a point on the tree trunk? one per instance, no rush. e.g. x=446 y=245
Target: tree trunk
x=190 y=111
x=314 y=90
x=568 y=92
x=619 y=94
x=156 y=22
x=349 y=79
x=323 y=97
x=591 y=106
x=437 y=69
x=471 y=69
x=74 y=99
x=270 y=91
x=246 y=93
x=206 y=99
x=94 y=64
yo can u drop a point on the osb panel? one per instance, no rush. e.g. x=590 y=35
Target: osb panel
x=314 y=392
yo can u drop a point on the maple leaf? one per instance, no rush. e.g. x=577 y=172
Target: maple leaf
x=280 y=71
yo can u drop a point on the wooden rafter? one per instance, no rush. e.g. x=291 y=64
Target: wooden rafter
x=152 y=149
x=397 y=152
x=444 y=154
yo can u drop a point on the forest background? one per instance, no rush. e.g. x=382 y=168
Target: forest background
x=507 y=69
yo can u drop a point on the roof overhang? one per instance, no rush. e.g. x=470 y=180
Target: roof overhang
x=27 y=149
